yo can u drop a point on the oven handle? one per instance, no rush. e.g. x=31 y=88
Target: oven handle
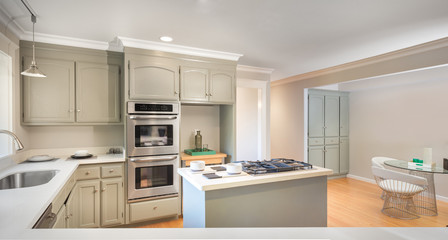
x=152 y=159
x=152 y=117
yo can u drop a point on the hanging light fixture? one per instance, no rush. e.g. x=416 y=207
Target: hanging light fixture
x=33 y=70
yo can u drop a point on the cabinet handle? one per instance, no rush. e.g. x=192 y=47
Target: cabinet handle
x=111 y=171
x=154 y=208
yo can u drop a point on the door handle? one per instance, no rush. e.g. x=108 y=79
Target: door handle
x=137 y=117
x=152 y=159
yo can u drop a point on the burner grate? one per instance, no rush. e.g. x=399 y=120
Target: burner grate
x=273 y=166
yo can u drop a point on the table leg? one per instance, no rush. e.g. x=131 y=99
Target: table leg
x=425 y=202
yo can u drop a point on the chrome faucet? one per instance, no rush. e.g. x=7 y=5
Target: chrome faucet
x=16 y=139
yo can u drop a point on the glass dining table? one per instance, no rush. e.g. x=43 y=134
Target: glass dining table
x=425 y=202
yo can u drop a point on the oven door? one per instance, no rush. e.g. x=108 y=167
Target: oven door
x=152 y=135
x=152 y=176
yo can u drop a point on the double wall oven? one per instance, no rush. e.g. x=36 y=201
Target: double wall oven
x=152 y=146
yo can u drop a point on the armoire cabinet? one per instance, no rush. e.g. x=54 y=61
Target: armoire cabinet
x=328 y=128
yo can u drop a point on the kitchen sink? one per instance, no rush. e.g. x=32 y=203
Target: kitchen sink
x=27 y=179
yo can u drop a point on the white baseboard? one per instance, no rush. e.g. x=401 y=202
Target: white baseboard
x=440 y=198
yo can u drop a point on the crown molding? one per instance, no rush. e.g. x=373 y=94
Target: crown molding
x=10 y=25
x=165 y=47
x=246 y=68
x=428 y=46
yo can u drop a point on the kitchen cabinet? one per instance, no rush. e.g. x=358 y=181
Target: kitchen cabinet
x=328 y=129
x=82 y=87
x=153 y=79
x=61 y=221
x=212 y=159
x=207 y=85
x=100 y=196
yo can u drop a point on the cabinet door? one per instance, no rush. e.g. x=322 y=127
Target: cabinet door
x=331 y=116
x=332 y=158
x=72 y=214
x=88 y=203
x=344 y=155
x=343 y=116
x=316 y=156
x=152 y=80
x=194 y=84
x=97 y=93
x=61 y=218
x=50 y=99
x=222 y=87
x=315 y=115
x=112 y=202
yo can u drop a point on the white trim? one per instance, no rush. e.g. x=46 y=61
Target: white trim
x=10 y=24
x=166 y=47
x=67 y=41
x=246 y=68
x=440 y=43
x=438 y=197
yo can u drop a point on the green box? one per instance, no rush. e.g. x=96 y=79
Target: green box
x=193 y=152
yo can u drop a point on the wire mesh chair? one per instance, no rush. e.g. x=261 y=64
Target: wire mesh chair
x=400 y=188
x=379 y=162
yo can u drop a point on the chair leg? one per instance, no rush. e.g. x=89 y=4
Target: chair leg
x=399 y=207
x=383 y=195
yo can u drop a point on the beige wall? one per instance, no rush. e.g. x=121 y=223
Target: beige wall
x=287 y=97
x=399 y=122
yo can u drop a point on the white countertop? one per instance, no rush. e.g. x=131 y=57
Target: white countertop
x=204 y=184
x=21 y=208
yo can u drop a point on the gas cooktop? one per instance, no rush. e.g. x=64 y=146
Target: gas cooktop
x=273 y=166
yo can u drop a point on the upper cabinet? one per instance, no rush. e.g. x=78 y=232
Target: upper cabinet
x=80 y=89
x=172 y=77
x=150 y=79
x=204 y=85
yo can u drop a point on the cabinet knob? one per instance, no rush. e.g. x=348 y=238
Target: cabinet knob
x=210 y=94
x=111 y=171
x=78 y=110
x=104 y=189
x=206 y=94
x=154 y=208
x=88 y=172
x=176 y=92
x=70 y=110
x=95 y=191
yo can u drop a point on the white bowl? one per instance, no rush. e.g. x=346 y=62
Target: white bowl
x=81 y=153
x=197 y=165
x=234 y=168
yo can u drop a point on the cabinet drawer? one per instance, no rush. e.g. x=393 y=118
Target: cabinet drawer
x=84 y=173
x=315 y=141
x=149 y=210
x=332 y=140
x=112 y=171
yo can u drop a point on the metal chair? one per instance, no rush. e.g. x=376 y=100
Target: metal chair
x=400 y=188
x=379 y=162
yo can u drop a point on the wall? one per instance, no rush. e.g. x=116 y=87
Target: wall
x=248 y=124
x=203 y=117
x=399 y=122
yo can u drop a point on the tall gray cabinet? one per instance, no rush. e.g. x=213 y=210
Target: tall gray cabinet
x=328 y=115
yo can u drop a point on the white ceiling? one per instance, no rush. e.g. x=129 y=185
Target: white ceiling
x=290 y=36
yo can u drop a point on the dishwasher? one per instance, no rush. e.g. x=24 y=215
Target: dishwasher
x=47 y=220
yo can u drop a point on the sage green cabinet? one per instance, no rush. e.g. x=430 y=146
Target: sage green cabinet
x=207 y=85
x=92 y=97
x=50 y=99
x=153 y=79
x=97 y=93
x=328 y=128
x=100 y=196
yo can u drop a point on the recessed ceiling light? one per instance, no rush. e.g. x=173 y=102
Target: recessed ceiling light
x=166 y=39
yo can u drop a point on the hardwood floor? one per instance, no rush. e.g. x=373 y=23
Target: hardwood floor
x=355 y=203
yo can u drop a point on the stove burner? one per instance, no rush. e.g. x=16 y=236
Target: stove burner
x=273 y=165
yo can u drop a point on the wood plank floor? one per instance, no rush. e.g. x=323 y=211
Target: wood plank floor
x=355 y=203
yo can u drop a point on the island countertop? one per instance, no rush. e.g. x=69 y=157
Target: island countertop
x=204 y=184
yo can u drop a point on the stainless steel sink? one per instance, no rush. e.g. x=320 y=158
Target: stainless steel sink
x=27 y=179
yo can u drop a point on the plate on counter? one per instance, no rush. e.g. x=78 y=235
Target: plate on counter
x=40 y=158
x=81 y=156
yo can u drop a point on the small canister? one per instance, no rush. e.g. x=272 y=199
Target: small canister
x=445 y=163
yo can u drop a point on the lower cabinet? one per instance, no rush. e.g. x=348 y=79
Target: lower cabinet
x=98 y=196
x=331 y=153
x=61 y=219
x=343 y=155
x=150 y=210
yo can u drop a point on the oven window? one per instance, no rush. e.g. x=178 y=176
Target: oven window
x=156 y=176
x=153 y=135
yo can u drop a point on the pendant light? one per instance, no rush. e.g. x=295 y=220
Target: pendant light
x=33 y=70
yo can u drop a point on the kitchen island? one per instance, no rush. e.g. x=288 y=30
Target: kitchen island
x=284 y=199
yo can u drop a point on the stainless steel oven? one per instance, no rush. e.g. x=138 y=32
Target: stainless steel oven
x=152 y=147
x=152 y=128
x=153 y=176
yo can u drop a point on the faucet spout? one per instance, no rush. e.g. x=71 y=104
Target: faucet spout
x=16 y=139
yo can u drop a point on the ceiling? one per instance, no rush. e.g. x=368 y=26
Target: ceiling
x=290 y=36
